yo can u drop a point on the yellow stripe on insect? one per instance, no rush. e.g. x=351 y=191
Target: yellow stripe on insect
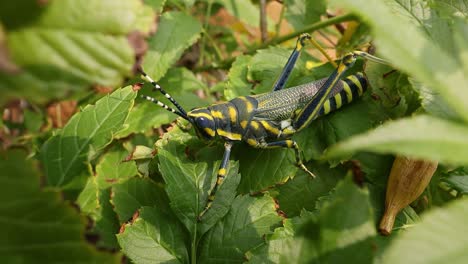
x=326 y=107
x=209 y=131
x=349 y=93
x=244 y=124
x=355 y=80
x=254 y=125
x=270 y=128
x=252 y=142
x=338 y=100
x=232 y=114
x=248 y=104
x=217 y=114
x=205 y=115
x=232 y=136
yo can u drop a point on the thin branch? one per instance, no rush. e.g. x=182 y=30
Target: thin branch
x=263 y=21
x=278 y=26
x=338 y=27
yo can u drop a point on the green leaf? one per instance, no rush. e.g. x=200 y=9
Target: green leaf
x=346 y=235
x=154 y=237
x=282 y=246
x=266 y=65
x=33 y=121
x=60 y=49
x=188 y=181
x=157 y=5
x=301 y=13
x=263 y=168
x=307 y=188
x=458 y=180
x=432 y=102
x=88 y=199
x=436 y=239
x=178 y=3
x=179 y=83
x=237 y=84
x=135 y=193
x=106 y=222
x=176 y=32
x=64 y=155
x=392 y=89
x=421 y=136
x=422 y=59
x=334 y=234
x=95 y=198
x=38 y=226
x=453 y=8
x=112 y=168
x=241 y=230
x=244 y=10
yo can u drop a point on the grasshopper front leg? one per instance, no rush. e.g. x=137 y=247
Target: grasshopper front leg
x=222 y=171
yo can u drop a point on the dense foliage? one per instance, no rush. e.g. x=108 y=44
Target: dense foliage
x=91 y=173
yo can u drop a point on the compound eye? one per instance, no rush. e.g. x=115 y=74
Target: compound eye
x=202 y=122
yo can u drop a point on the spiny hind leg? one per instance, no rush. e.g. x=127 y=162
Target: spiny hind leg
x=222 y=171
x=288 y=143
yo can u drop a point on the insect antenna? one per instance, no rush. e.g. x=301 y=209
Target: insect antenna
x=157 y=87
x=163 y=105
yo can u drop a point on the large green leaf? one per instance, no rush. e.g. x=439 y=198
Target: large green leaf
x=188 y=181
x=421 y=136
x=341 y=231
x=453 y=8
x=60 y=49
x=437 y=239
x=154 y=237
x=301 y=13
x=94 y=199
x=423 y=59
x=303 y=191
x=440 y=31
x=176 y=32
x=112 y=168
x=263 y=168
x=242 y=229
x=38 y=226
x=238 y=84
x=64 y=155
x=244 y=10
x=282 y=246
x=135 y=193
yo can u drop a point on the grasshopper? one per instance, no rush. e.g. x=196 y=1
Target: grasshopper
x=269 y=120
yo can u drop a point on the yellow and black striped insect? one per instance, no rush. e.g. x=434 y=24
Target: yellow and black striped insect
x=269 y=120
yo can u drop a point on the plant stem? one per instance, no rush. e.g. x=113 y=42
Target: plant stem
x=278 y=26
x=205 y=33
x=263 y=21
x=193 y=251
x=227 y=62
